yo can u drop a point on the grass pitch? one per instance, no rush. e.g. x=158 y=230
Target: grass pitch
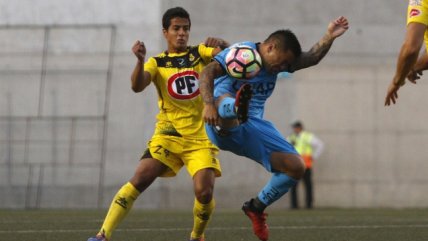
x=285 y=225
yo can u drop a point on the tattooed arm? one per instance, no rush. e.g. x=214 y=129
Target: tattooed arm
x=206 y=87
x=335 y=29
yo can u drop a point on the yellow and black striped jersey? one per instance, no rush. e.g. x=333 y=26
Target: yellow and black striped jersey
x=176 y=77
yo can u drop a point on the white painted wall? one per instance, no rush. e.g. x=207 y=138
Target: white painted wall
x=375 y=156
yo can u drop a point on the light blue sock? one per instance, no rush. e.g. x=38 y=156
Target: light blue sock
x=277 y=186
x=226 y=109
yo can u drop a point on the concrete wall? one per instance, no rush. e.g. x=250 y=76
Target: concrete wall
x=375 y=156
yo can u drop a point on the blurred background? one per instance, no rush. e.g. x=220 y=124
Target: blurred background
x=72 y=131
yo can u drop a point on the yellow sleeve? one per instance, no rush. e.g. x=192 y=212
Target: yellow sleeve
x=205 y=52
x=426 y=41
x=417 y=12
x=151 y=66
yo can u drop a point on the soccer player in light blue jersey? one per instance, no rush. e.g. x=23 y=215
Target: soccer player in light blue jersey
x=234 y=109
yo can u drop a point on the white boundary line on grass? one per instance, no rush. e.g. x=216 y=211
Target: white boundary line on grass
x=221 y=228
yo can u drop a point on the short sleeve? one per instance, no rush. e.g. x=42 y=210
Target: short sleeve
x=151 y=66
x=417 y=12
x=205 y=52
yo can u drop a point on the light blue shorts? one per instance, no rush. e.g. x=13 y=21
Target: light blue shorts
x=255 y=139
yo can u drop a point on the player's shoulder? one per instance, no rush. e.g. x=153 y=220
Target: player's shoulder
x=157 y=58
x=161 y=54
x=151 y=61
x=186 y=59
x=189 y=49
x=197 y=49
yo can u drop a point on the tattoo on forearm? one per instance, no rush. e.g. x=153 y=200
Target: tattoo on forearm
x=206 y=84
x=206 y=92
x=321 y=48
x=315 y=54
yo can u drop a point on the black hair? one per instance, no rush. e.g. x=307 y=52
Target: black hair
x=297 y=124
x=286 y=40
x=174 y=13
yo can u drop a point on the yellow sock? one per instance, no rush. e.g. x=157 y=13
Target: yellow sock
x=201 y=217
x=119 y=208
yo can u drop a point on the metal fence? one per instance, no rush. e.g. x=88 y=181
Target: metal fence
x=55 y=84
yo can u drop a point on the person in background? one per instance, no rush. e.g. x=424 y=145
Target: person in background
x=310 y=148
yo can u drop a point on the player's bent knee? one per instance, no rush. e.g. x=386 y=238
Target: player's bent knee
x=204 y=195
x=298 y=169
x=141 y=182
x=147 y=171
x=290 y=164
x=203 y=185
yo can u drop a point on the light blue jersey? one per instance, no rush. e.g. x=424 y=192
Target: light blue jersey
x=257 y=138
x=262 y=84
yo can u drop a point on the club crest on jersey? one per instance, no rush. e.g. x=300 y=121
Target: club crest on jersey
x=414 y=12
x=184 y=85
x=191 y=57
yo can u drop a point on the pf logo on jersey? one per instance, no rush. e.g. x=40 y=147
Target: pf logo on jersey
x=184 y=85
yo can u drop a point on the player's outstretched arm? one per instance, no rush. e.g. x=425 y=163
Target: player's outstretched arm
x=406 y=59
x=335 y=29
x=206 y=86
x=139 y=78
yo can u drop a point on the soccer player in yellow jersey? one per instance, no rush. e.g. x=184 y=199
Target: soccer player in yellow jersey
x=179 y=138
x=408 y=64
